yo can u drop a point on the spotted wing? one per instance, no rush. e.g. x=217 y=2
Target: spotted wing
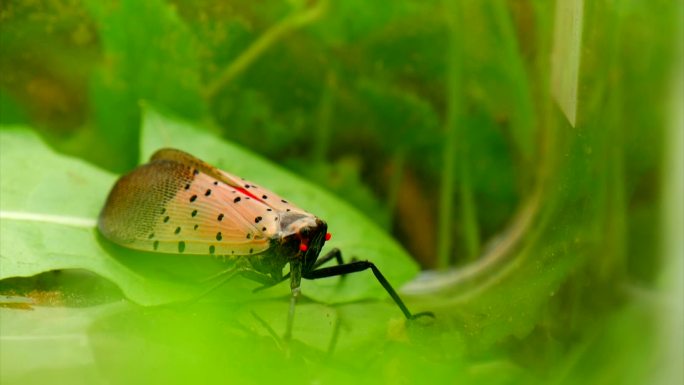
x=248 y=188
x=170 y=205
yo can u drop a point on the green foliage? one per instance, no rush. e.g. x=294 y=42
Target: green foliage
x=381 y=115
x=353 y=233
x=149 y=54
x=51 y=218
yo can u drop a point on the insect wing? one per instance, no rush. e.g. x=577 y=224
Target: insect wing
x=267 y=197
x=171 y=206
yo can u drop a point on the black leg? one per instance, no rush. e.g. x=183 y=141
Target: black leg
x=334 y=253
x=337 y=255
x=353 y=267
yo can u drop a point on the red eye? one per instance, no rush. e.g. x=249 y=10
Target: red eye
x=303 y=247
x=328 y=236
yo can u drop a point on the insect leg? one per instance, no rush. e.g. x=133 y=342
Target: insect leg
x=271 y=283
x=337 y=255
x=353 y=267
x=220 y=274
x=291 y=313
x=295 y=279
x=226 y=275
x=334 y=253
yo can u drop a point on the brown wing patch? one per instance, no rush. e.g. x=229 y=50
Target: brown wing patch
x=174 y=207
x=138 y=200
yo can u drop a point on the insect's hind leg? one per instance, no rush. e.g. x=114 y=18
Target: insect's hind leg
x=222 y=277
x=356 y=266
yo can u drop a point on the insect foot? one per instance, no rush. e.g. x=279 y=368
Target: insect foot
x=425 y=318
x=423 y=314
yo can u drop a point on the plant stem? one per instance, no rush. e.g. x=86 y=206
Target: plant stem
x=523 y=124
x=271 y=36
x=471 y=229
x=446 y=201
x=319 y=151
x=398 y=161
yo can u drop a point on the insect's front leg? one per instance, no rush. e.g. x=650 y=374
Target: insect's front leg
x=295 y=280
x=333 y=254
x=357 y=266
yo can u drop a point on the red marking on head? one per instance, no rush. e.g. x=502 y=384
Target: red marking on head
x=303 y=247
x=328 y=236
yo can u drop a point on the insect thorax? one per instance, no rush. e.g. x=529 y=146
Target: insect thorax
x=287 y=247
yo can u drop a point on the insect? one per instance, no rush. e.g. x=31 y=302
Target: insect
x=179 y=204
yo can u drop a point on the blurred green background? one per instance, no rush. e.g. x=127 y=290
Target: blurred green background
x=554 y=251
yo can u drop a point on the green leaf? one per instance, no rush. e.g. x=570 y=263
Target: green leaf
x=214 y=343
x=56 y=340
x=149 y=53
x=48 y=209
x=50 y=204
x=354 y=234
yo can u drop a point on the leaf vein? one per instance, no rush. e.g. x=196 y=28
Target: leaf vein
x=49 y=218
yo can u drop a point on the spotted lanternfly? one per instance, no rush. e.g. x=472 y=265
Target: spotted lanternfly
x=179 y=204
